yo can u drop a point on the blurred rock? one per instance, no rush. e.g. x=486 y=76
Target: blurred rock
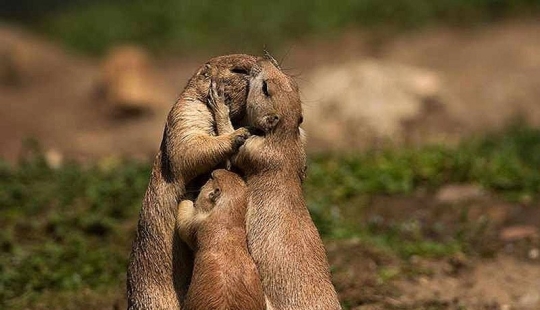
x=361 y=103
x=456 y=193
x=518 y=232
x=492 y=75
x=54 y=158
x=534 y=253
x=128 y=81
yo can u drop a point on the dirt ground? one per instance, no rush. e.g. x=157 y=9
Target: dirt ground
x=501 y=283
x=503 y=274
x=494 y=72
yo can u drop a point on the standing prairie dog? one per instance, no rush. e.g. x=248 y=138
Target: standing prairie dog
x=282 y=238
x=224 y=274
x=160 y=264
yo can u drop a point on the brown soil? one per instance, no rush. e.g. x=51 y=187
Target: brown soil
x=504 y=282
x=495 y=273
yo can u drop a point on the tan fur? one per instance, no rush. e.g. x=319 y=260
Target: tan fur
x=224 y=274
x=282 y=238
x=160 y=264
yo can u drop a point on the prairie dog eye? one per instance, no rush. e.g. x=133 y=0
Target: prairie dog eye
x=265 y=89
x=241 y=71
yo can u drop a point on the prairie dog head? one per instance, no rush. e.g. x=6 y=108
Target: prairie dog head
x=273 y=103
x=231 y=71
x=222 y=187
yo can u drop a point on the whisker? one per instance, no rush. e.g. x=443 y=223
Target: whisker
x=286 y=55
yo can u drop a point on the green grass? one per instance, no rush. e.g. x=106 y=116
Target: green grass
x=507 y=163
x=66 y=229
x=69 y=230
x=242 y=25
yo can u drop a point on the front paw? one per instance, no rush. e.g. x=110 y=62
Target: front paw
x=184 y=213
x=240 y=136
x=216 y=98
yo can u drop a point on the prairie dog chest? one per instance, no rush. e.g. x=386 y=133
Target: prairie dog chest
x=193 y=116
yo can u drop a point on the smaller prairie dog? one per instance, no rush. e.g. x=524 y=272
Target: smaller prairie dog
x=224 y=274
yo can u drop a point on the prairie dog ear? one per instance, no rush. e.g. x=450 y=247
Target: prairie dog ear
x=213 y=195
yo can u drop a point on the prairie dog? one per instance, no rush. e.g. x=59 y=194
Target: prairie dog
x=224 y=274
x=160 y=264
x=282 y=238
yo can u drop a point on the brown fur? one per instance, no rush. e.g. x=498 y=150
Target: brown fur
x=282 y=238
x=160 y=264
x=224 y=274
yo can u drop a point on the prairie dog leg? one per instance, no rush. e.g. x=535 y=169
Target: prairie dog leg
x=201 y=153
x=188 y=221
x=216 y=103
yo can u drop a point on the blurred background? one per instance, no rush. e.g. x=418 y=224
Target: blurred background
x=424 y=142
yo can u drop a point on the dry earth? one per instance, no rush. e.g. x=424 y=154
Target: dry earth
x=503 y=274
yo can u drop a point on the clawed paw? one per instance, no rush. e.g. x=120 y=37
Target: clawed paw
x=240 y=137
x=216 y=96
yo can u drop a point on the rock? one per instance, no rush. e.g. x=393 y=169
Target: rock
x=456 y=193
x=534 y=253
x=360 y=103
x=54 y=158
x=128 y=82
x=518 y=232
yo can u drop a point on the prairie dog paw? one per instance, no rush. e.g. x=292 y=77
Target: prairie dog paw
x=240 y=136
x=186 y=217
x=185 y=213
x=216 y=98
